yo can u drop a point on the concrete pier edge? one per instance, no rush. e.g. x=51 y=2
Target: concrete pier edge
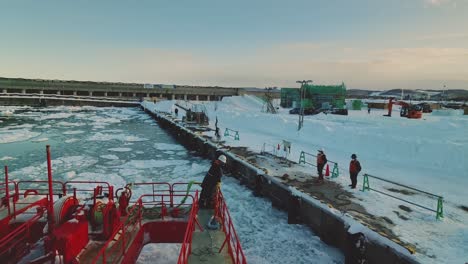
x=332 y=226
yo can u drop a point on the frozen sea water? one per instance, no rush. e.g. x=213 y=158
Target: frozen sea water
x=91 y=144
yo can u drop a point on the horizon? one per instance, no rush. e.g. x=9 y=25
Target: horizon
x=368 y=45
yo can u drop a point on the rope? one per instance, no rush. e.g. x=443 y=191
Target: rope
x=189 y=186
x=205 y=252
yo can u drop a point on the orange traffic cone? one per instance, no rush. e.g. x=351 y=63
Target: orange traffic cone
x=327 y=171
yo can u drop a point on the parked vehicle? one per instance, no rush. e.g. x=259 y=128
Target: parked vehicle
x=307 y=111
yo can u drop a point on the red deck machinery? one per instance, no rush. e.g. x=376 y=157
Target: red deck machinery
x=86 y=222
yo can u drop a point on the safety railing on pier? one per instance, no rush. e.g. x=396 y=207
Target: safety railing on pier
x=304 y=160
x=231 y=133
x=232 y=240
x=440 y=200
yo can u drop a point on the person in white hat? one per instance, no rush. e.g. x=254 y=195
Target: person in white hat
x=211 y=181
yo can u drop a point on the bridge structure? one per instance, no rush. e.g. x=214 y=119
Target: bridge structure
x=32 y=91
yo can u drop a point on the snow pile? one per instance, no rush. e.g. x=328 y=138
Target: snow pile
x=430 y=154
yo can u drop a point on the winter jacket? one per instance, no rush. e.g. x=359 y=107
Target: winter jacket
x=321 y=159
x=213 y=177
x=354 y=166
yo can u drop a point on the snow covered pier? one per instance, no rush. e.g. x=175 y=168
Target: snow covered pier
x=318 y=207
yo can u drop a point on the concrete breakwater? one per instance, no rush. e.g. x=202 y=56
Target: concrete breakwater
x=58 y=101
x=333 y=227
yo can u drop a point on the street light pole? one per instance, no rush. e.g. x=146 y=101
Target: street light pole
x=301 y=111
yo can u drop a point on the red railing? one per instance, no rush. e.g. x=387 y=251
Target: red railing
x=232 y=240
x=11 y=195
x=115 y=248
x=186 y=248
x=61 y=189
x=18 y=236
x=93 y=183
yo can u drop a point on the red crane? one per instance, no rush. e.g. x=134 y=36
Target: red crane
x=407 y=110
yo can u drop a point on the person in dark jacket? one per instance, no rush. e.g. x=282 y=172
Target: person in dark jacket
x=210 y=183
x=321 y=161
x=354 y=169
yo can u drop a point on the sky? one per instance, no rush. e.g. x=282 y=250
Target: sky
x=367 y=44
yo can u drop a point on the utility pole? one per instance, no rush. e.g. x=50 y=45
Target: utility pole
x=301 y=111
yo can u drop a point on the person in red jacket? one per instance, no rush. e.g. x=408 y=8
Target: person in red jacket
x=321 y=161
x=354 y=169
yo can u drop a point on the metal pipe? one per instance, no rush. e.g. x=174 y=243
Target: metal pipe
x=401 y=185
x=51 y=191
x=415 y=204
x=7 y=195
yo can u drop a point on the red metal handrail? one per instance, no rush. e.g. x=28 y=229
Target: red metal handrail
x=232 y=240
x=61 y=184
x=127 y=226
x=19 y=234
x=123 y=225
x=186 y=248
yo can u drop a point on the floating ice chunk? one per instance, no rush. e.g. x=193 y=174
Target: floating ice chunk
x=17 y=135
x=112 y=178
x=69 y=124
x=122 y=137
x=129 y=172
x=75 y=132
x=110 y=157
x=44 y=126
x=7 y=158
x=56 y=116
x=120 y=149
x=70 y=174
x=148 y=164
x=40 y=140
x=166 y=146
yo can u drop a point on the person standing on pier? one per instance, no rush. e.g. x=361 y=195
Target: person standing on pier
x=211 y=182
x=354 y=169
x=321 y=161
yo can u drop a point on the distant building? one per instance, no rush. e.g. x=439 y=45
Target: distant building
x=315 y=96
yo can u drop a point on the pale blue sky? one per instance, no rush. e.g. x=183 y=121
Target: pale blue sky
x=373 y=44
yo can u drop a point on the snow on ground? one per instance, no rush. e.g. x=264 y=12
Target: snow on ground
x=430 y=154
